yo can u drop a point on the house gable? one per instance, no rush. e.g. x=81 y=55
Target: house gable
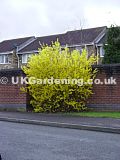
x=8 y=50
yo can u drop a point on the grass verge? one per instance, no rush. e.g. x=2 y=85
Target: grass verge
x=95 y=114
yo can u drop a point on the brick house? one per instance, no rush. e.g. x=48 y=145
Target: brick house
x=14 y=53
x=9 y=51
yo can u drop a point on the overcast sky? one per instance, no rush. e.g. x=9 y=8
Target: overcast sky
x=21 y=18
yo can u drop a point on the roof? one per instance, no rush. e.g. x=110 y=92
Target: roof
x=84 y=36
x=9 y=45
x=44 y=40
x=77 y=37
x=103 y=39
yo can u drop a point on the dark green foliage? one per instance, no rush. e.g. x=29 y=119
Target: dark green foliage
x=112 y=46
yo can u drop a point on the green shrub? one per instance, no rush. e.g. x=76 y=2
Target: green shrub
x=112 y=46
x=52 y=62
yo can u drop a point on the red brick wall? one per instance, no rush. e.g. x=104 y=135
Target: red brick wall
x=10 y=94
x=11 y=97
x=106 y=96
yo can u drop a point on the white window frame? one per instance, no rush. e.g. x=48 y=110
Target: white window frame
x=4 y=59
x=25 y=57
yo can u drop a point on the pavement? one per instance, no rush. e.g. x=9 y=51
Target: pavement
x=110 y=125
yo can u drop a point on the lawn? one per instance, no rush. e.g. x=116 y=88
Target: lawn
x=96 y=114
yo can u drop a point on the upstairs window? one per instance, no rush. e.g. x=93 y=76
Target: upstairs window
x=4 y=59
x=25 y=57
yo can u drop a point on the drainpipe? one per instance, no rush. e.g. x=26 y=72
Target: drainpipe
x=17 y=57
x=86 y=50
x=97 y=52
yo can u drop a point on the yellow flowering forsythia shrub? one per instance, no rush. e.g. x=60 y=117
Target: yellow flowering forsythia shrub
x=60 y=65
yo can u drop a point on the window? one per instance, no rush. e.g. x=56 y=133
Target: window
x=4 y=58
x=102 y=52
x=25 y=57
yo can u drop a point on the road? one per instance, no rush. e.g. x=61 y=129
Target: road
x=32 y=142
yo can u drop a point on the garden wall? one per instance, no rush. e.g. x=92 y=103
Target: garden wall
x=105 y=96
x=11 y=98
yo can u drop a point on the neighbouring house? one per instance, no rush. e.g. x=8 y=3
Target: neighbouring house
x=9 y=51
x=15 y=53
